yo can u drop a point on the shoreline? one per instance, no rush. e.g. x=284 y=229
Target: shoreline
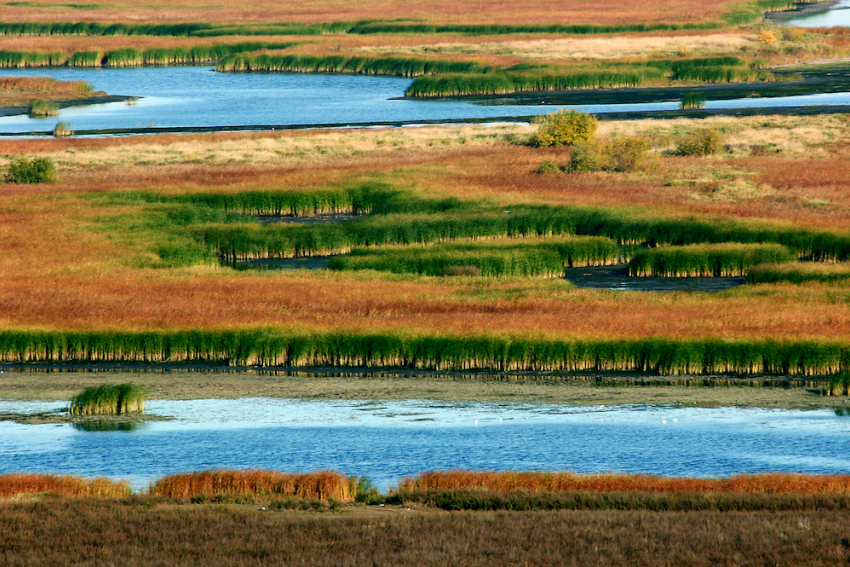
x=87 y=101
x=372 y=385
x=801 y=9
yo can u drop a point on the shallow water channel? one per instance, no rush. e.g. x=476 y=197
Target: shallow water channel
x=197 y=97
x=387 y=440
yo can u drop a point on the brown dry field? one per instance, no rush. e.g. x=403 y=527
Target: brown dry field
x=182 y=385
x=61 y=270
x=314 y=11
x=99 y=532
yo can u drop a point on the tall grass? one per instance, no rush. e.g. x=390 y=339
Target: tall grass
x=297 y=63
x=502 y=29
x=41 y=108
x=501 y=258
x=132 y=57
x=799 y=273
x=310 y=486
x=280 y=347
x=67 y=485
x=109 y=400
x=706 y=260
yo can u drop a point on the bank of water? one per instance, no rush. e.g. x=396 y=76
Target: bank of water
x=838 y=14
x=197 y=97
x=389 y=439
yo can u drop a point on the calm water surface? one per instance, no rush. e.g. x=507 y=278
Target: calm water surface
x=387 y=440
x=197 y=97
x=839 y=15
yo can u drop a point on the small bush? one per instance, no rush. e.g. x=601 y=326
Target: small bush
x=43 y=108
x=584 y=157
x=629 y=153
x=62 y=129
x=703 y=142
x=793 y=34
x=548 y=166
x=564 y=128
x=24 y=170
x=766 y=37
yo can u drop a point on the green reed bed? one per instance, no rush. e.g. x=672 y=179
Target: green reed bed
x=504 y=29
x=799 y=273
x=40 y=108
x=493 y=259
x=19 y=59
x=279 y=347
x=196 y=29
x=393 y=66
x=109 y=400
x=706 y=260
x=132 y=57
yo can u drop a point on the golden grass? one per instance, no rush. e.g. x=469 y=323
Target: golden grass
x=468 y=11
x=18 y=485
x=580 y=47
x=309 y=486
x=772 y=483
x=21 y=91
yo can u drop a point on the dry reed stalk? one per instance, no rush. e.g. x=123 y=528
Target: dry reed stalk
x=559 y=482
x=68 y=485
x=320 y=485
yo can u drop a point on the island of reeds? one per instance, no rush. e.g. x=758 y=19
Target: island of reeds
x=109 y=399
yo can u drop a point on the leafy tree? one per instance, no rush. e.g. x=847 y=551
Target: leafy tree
x=564 y=128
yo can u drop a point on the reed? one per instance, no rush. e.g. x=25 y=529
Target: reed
x=300 y=63
x=86 y=59
x=321 y=485
x=512 y=481
x=702 y=260
x=41 y=108
x=109 y=399
x=21 y=59
x=281 y=347
x=492 y=259
x=12 y=485
x=503 y=29
x=798 y=273
x=692 y=101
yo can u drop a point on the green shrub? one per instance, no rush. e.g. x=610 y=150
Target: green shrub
x=564 y=128
x=628 y=153
x=584 y=157
x=703 y=142
x=548 y=166
x=24 y=170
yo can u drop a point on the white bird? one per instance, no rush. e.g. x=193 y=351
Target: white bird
x=476 y=422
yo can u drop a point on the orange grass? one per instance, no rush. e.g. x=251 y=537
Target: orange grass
x=310 y=486
x=772 y=483
x=19 y=91
x=12 y=485
x=315 y=11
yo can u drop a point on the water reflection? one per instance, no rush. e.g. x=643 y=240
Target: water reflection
x=99 y=426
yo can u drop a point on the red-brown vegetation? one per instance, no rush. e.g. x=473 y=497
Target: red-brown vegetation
x=310 y=486
x=559 y=482
x=68 y=485
x=265 y=11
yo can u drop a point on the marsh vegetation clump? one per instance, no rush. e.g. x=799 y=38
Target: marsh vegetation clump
x=702 y=142
x=564 y=128
x=692 y=101
x=25 y=170
x=706 y=260
x=109 y=400
x=622 y=154
x=41 y=108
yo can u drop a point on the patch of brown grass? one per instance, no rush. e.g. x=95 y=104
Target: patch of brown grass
x=17 y=485
x=561 y=482
x=309 y=486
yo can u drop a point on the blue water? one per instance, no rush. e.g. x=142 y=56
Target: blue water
x=839 y=15
x=197 y=97
x=388 y=440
